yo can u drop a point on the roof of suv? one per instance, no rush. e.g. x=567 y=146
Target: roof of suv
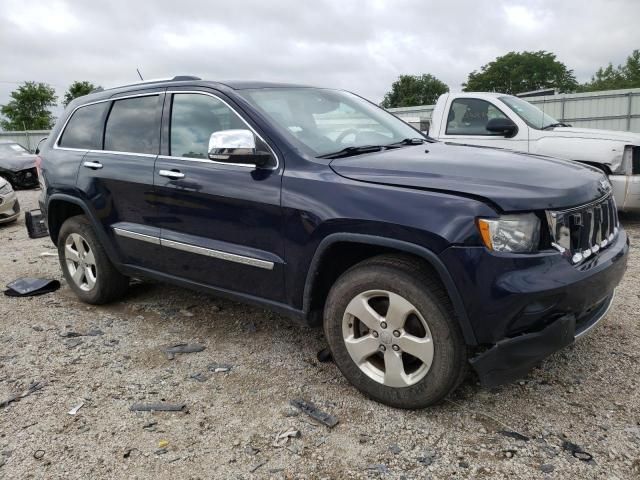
x=180 y=81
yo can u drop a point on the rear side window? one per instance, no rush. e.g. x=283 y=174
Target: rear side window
x=84 y=129
x=133 y=126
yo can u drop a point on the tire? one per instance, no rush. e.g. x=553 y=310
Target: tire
x=401 y=281
x=97 y=281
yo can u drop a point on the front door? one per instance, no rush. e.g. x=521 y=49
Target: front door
x=466 y=123
x=220 y=222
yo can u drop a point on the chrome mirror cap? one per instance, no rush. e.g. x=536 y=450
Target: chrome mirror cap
x=226 y=143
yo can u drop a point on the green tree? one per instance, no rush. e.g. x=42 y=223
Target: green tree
x=29 y=108
x=612 y=78
x=518 y=72
x=78 y=89
x=412 y=90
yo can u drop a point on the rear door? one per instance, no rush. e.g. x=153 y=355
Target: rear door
x=117 y=179
x=221 y=222
x=466 y=119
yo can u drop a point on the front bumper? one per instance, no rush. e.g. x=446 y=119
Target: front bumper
x=27 y=178
x=9 y=208
x=512 y=358
x=522 y=308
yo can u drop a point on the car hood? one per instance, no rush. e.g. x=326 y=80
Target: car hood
x=15 y=163
x=593 y=133
x=512 y=181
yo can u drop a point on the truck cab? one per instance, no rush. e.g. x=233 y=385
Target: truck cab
x=508 y=122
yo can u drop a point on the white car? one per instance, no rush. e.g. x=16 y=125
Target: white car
x=9 y=205
x=504 y=121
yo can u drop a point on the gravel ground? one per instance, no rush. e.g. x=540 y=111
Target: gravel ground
x=587 y=395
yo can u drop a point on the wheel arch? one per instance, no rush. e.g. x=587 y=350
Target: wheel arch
x=61 y=207
x=369 y=245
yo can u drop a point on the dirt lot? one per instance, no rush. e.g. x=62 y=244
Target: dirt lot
x=587 y=395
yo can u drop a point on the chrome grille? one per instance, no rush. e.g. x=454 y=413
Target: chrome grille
x=578 y=233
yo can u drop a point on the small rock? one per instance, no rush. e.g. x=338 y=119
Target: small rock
x=37 y=328
x=464 y=464
x=547 y=468
x=395 y=449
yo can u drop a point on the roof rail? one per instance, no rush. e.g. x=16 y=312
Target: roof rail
x=179 y=78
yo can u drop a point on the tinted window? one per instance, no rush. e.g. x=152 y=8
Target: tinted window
x=133 y=126
x=469 y=116
x=194 y=118
x=84 y=130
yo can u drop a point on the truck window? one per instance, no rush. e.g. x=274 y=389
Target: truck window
x=84 y=129
x=469 y=116
x=194 y=117
x=133 y=126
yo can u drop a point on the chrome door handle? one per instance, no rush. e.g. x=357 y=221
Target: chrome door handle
x=95 y=165
x=171 y=174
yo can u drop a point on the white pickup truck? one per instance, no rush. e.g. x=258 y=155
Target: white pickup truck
x=504 y=121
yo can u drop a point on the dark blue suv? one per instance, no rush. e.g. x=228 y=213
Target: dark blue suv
x=419 y=258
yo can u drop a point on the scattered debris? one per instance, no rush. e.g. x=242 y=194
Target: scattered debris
x=182 y=348
x=38 y=454
x=283 y=436
x=379 y=468
x=163 y=443
x=516 y=435
x=29 y=287
x=324 y=355
x=577 y=451
x=220 y=367
x=94 y=332
x=34 y=387
x=127 y=452
x=199 y=377
x=150 y=425
x=250 y=450
x=311 y=410
x=48 y=254
x=161 y=451
x=158 y=407
x=547 y=468
x=257 y=466
x=75 y=409
x=73 y=342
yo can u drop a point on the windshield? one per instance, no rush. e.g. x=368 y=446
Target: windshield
x=532 y=115
x=13 y=149
x=326 y=121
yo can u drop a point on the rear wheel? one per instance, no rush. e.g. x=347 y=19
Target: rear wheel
x=85 y=264
x=392 y=332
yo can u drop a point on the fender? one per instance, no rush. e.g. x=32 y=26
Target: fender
x=97 y=226
x=400 y=245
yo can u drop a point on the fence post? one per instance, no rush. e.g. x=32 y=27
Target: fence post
x=630 y=95
x=562 y=107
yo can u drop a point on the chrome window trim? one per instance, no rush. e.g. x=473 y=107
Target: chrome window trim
x=185 y=247
x=56 y=145
x=137 y=236
x=253 y=167
x=166 y=157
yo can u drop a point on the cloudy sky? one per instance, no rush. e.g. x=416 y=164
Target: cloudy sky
x=358 y=45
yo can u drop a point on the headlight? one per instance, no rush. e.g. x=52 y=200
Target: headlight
x=511 y=233
x=6 y=188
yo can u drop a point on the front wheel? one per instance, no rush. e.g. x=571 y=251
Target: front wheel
x=85 y=264
x=393 y=334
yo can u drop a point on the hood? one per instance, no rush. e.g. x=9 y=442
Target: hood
x=15 y=163
x=512 y=181
x=629 y=138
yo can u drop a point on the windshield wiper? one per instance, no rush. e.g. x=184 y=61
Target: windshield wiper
x=406 y=141
x=553 y=125
x=351 y=151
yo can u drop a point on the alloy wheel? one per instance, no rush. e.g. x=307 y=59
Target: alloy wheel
x=80 y=262
x=388 y=338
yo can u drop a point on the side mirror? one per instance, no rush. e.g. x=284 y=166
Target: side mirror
x=502 y=126
x=236 y=146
